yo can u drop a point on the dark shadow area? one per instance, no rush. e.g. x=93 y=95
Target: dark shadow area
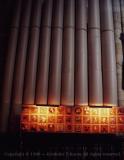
x=62 y=146
x=6 y=12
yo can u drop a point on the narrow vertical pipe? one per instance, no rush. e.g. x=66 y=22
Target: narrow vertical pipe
x=108 y=54
x=94 y=54
x=56 y=54
x=81 y=76
x=67 y=90
x=9 y=69
x=19 y=71
x=31 y=65
x=122 y=39
x=44 y=53
x=21 y=55
x=118 y=49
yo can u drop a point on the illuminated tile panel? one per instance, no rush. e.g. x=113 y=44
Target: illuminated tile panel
x=72 y=119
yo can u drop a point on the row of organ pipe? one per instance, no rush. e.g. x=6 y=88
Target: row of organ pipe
x=60 y=53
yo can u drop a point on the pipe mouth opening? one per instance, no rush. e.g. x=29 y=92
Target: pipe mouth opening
x=101 y=107
x=91 y=106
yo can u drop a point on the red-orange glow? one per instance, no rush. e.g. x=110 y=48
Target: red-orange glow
x=72 y=119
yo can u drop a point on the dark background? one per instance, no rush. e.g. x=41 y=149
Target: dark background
x=6 y=12
x=58 y=146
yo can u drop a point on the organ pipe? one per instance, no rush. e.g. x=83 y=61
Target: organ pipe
x=118 y=47
x=9 y=69
x=44 y=53
x=81 y=76
x=56 y=54
x=67 y=90
x=94 y=55
x=18 y=79
x=57 y=15
x=122 y=73
x=31 y=65
x=108 y=55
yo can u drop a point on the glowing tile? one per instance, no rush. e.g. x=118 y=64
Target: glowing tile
x=52 y=110
x=33 y=118
x=86 y=120
x=104 y=112
x=42 y=127
x=77 y=128
x=59 y=127
x=33 y=110
x=104 y=120
x=112 y=120
x=86 y=111
x=51 y=127
x=95 y=128
x=121 y=119
x=43 y=110
x=86 y=128
x=68 y=128
x=113 y=111
x=120 y=128
x=121 y=111
x=68 y=110
x=51 y=119
x=68 y=119
x=33 y=127
x=78 y=119
x=60 y=119
x=112 y=128
x=25 y=118
x=25 y=110
x=42 y=119
x=104 y=128
x=95 y=111
x=78 y=110
x=95 y=119
x=60 y=110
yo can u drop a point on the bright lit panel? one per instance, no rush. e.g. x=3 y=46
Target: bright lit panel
x=72 y=119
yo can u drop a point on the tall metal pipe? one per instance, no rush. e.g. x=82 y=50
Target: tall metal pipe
x=118 y=49
x=31 y=65
x=67 y=90
x=81 y=76
x=57 y=15
x=106 y=15
x=108 y=55
x=19 y=71
x=44 y=53
x=81 y=14
x=122 y=39
x=36 y=14
x=56 y=54
x=9 y=69
x=94 y=55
